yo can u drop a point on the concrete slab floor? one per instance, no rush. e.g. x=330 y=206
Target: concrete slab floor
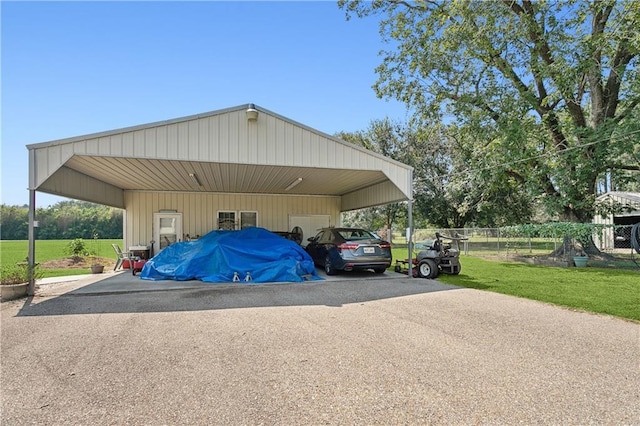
x=126 y=282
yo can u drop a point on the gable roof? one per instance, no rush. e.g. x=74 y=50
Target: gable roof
x=630 y=201
x=225 y=152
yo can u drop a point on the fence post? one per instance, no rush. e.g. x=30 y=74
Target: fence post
x=466 y=242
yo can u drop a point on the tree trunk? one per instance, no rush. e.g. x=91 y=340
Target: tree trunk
x=570 y=247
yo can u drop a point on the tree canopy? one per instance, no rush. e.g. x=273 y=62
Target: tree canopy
x=541 y=96
x=62 y=221
x=441 y=198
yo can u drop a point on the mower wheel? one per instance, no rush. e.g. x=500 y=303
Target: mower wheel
x=427 y=268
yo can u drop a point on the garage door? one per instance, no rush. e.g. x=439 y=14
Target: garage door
x=309 y=224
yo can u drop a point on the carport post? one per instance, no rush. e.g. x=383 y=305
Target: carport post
x=410 y=224
x=32 y=242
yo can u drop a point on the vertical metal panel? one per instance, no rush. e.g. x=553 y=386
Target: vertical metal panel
x=242 y=135
x=53 y=159
x=183 y=141
x=193 y=143
x=78 y=147
x=232 y=138
x=279 y=143
x=223 y=132
x=339 y=160
x=104 y=147
x=297 y=146
x=92 y=146
x=172 y=137
x=70 y=183
x=203 y=138
x=138 y=144
x=270 y=138
x=66 y=151
x=289 y=144
x=127 y=144
x=161 y=142
x=372 y=196
x=150 y=146
x=42 y=167
x=115 y=145
x=307 y=152
x=252 y=143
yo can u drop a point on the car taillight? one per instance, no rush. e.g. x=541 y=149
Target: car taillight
x=346 y=246
x=385 y=245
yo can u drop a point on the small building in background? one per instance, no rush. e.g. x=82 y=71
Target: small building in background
x=627 y=213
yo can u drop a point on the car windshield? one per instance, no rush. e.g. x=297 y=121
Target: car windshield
x=356 y=234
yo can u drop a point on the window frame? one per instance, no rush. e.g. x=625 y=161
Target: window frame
x=240 y=224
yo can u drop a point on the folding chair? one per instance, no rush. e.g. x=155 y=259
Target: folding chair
x=121 y=256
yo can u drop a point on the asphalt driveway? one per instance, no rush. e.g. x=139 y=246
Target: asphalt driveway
x=362 y=351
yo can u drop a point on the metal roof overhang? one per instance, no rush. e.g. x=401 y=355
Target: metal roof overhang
x=117 y=174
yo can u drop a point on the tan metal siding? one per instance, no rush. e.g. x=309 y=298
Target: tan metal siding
x=199 y=210
x=226 y=137
x=371 y=196
x=69 y=183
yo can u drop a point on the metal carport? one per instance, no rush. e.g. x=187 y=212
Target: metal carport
x=244 y=150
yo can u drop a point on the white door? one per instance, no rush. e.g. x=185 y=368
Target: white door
x=167 y=229
x=309 y=224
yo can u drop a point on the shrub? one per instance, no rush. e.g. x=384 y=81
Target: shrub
x=18 y=273
x=78 y=248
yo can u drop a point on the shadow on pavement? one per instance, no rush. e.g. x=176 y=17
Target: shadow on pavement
x=107 y=296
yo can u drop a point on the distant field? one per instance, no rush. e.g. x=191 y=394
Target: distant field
x=12 y=252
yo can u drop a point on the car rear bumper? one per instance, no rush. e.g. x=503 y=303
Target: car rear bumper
x=353 y=265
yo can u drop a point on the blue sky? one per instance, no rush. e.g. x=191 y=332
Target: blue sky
x=72 y=68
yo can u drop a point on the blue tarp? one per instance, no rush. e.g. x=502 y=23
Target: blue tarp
x=219 y=255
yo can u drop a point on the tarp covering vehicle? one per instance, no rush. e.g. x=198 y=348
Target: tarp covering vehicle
x=252 y=255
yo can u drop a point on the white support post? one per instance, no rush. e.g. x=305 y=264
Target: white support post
x=32 y=242
x=410 y=224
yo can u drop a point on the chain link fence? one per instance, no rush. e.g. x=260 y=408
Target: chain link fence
x=500 y=243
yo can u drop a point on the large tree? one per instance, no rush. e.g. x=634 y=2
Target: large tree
x=443 y=198
x=549 y=90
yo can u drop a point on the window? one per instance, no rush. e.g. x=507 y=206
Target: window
x=226 y=220
x=248 y=219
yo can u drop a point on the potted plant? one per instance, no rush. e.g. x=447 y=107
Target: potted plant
x=580 y=258
x=14 y=280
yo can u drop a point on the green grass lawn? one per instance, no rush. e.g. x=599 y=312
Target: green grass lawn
x=600 y=290
x=12 y=252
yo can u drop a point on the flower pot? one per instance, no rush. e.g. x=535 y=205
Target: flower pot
x=580 y=261
x=13 y=291
x=97 y=269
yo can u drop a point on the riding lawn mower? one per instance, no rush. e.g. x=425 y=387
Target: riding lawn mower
x=434 y=257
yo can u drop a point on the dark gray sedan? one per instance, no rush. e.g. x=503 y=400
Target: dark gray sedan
x=348 y=249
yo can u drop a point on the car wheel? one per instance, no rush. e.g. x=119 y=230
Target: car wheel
x=427 y=268
x=328 y=267
x=379 y=270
